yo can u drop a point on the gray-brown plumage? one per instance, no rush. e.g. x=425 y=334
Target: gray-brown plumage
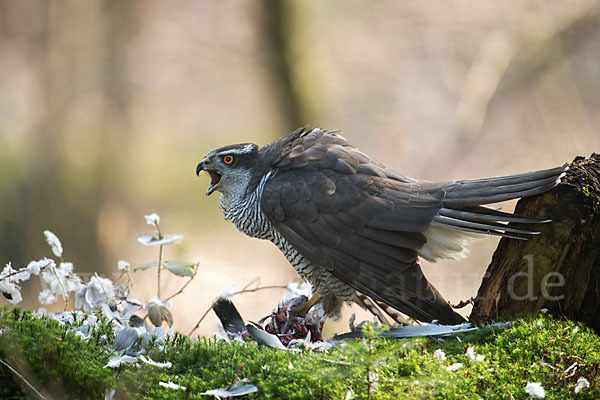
x=346 y=223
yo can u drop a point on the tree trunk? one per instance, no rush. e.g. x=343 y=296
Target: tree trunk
x=559 y=269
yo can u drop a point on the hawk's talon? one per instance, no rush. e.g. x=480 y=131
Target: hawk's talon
x=314 y=299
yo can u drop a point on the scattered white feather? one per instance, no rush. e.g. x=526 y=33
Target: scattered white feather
x=227 y=293
x=306 y=344
x=54 y=243
x=116 y=362
x=11 y=291
x=545 y=364
x=109 y=394
x=264 y=337
x=152 y=219
x=221 y=393
x=454 y=367
x=439 y=354
x=581 y=384
x=35 y=267
x=7 y=271
x=374 y=380
x=95 y=293
x=295 y=289
x=46 y=297
x=470 y=353
x=125 y=339
x=123 y=265
x=472 y=356
x=150 y=361
x=535 y=390
x=172 y=385
x=570 y=368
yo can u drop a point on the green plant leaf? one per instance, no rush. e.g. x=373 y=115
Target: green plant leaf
x=146 y=266
x=154 y=314
x=166 y=315
x=180 y=268
x=158 y=314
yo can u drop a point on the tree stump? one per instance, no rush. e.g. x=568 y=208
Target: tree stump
x=559 y=269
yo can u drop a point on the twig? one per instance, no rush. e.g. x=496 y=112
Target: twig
x=128 y=301
x=65 y=293
x=160 y=251
x=23 y=379
x=43 y=267
x=237 y=375
x=462 y=304
x=256 y=289
x=245 y=290
x=159 y=268
x=200 y=320
x=255 y=280
x=185 y=285
x=129 y=282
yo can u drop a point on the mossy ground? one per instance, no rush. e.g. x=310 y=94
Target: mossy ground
x=60 y=364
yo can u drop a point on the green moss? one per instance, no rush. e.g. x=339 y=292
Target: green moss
x=536 y=349
x=587 y=192
x=50 y=356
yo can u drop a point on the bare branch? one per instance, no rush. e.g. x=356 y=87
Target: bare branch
x=185 y=285
x=244 y=290
x=14 y=371
x=256 y=289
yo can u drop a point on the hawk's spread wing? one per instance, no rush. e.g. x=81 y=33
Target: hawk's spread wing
x=346 y=213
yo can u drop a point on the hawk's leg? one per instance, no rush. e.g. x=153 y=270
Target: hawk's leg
x=314 y=299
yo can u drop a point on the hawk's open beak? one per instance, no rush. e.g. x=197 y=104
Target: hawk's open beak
x=215 y=177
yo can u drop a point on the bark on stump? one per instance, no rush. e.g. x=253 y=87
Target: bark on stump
x=558 y=269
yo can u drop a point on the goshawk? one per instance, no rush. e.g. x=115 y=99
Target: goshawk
x=348 y=224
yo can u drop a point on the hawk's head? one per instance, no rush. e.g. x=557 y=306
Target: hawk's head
x=230 y=168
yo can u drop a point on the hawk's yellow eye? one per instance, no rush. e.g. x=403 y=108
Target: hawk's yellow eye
x=228 y=159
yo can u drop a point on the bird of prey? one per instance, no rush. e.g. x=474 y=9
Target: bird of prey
x=349 y=225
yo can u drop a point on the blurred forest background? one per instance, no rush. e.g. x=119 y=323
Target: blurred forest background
x=106 y=106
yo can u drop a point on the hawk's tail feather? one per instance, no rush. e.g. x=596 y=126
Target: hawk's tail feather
x=485 y=214
x=490 y=228
x=477 y=192
x=463 y=202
